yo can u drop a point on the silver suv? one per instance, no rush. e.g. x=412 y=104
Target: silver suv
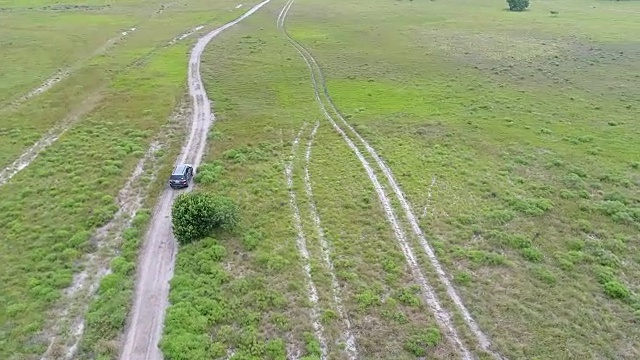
x=181 y=176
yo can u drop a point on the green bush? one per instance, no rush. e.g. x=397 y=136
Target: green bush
x=208 y=173
x=605 y=275
x=616 y=290
x=251 y=239
x=532 y=254
x=518 y=5
x=276 y=349
x=418 y=343
x=195 y=215
x=187 y=346
x=312 y=346
x=408 y=297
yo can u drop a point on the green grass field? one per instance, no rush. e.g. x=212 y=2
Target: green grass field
x=51 y=208
x=513 y=136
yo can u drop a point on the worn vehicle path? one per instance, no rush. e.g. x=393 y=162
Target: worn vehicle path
x=157 y=256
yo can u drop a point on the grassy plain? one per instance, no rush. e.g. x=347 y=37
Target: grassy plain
x=50 y=210
x=257 y=306
x=512 y=134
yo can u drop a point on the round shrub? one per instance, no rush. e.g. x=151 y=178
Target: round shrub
x=418 y=343
x=616 y=290
x=518 y=5
x=196 y=214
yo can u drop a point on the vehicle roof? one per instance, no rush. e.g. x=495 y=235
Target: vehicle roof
x=179 y=170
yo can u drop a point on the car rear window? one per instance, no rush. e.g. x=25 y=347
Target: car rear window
x=177 y=177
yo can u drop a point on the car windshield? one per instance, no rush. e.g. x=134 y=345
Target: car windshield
x=177 y=177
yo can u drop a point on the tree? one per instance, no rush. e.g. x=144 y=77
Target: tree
x=518 y=5
x=196 y=214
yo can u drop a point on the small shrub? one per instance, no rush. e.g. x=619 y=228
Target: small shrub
x=574 y=181
x=611 y=207
x=485 y=258
x=616 y=290
x=195 y=215
x=605 y=275
x=183 y=346
x=208 y=173
x=519 y=242
x=367 y=299
x=616 y=196
x=408 y=297
x=462 y=278
x=121 y=266
x=419 y=343
x=250 y=342
x=397 y=316
x=390 y=266
x=564 y=263
x=518 y=5
x=584 y=225
x=272 y=262
x=312 y=345
x=606 y=258
x=501 y=216
x=568 y=194
x=281 y=322
x=109 y=282
x=533 y=207
x=251 y=239
x=576 y=257
x=79 y=240
x=276 y=349
x=544 y=275
x=575 y=244
x=532 y=254
x=622 y=217
x=328 y=316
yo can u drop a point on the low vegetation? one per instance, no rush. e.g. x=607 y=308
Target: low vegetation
x=51 y=209
x=514 y=149
x=516 y=163
x=107 y=313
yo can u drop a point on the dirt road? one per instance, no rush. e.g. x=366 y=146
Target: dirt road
x=157 y=257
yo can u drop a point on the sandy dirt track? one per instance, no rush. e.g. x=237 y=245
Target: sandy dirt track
x=157 y=257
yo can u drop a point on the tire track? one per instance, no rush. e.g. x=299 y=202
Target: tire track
x=186 y=34
x=347 y=334
x=482 y=339
x=50 y=137
x=64 y=73
x=157 y=256
x=442 y=316
x=97 y=265
x=88 y=105
x=301 y=244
